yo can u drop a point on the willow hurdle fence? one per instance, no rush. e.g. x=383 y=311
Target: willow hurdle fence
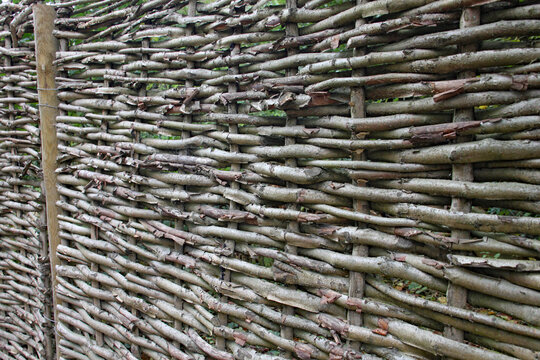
x=283 y=179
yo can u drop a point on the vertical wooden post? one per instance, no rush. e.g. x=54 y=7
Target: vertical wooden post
x=232 y=108
x=357 y=282
x=457 y=295
x=291 y=30
x=48 y=109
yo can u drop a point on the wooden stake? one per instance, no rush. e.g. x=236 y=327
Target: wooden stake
x=357 y=284
x=457 y=295
x=48 y=109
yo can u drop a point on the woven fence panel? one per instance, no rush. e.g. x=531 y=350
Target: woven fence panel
x=298 y=179
x=25 y=294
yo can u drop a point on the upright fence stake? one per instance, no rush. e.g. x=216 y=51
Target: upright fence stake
x=291 y=30
x=457 y=295
x=48 y=109
x=357 y=283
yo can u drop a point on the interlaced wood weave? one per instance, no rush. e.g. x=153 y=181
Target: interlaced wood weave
x=25 y=285
x=277 y=180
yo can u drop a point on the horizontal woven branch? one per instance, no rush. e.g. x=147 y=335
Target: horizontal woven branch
x=276 y=179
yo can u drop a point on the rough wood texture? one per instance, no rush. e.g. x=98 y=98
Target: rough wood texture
x=215 y=161
x=46 y=47
x=457 y=295
x=25 y=291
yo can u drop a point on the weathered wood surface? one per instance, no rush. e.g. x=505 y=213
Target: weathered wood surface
x=281 y=179
x=46 y=48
